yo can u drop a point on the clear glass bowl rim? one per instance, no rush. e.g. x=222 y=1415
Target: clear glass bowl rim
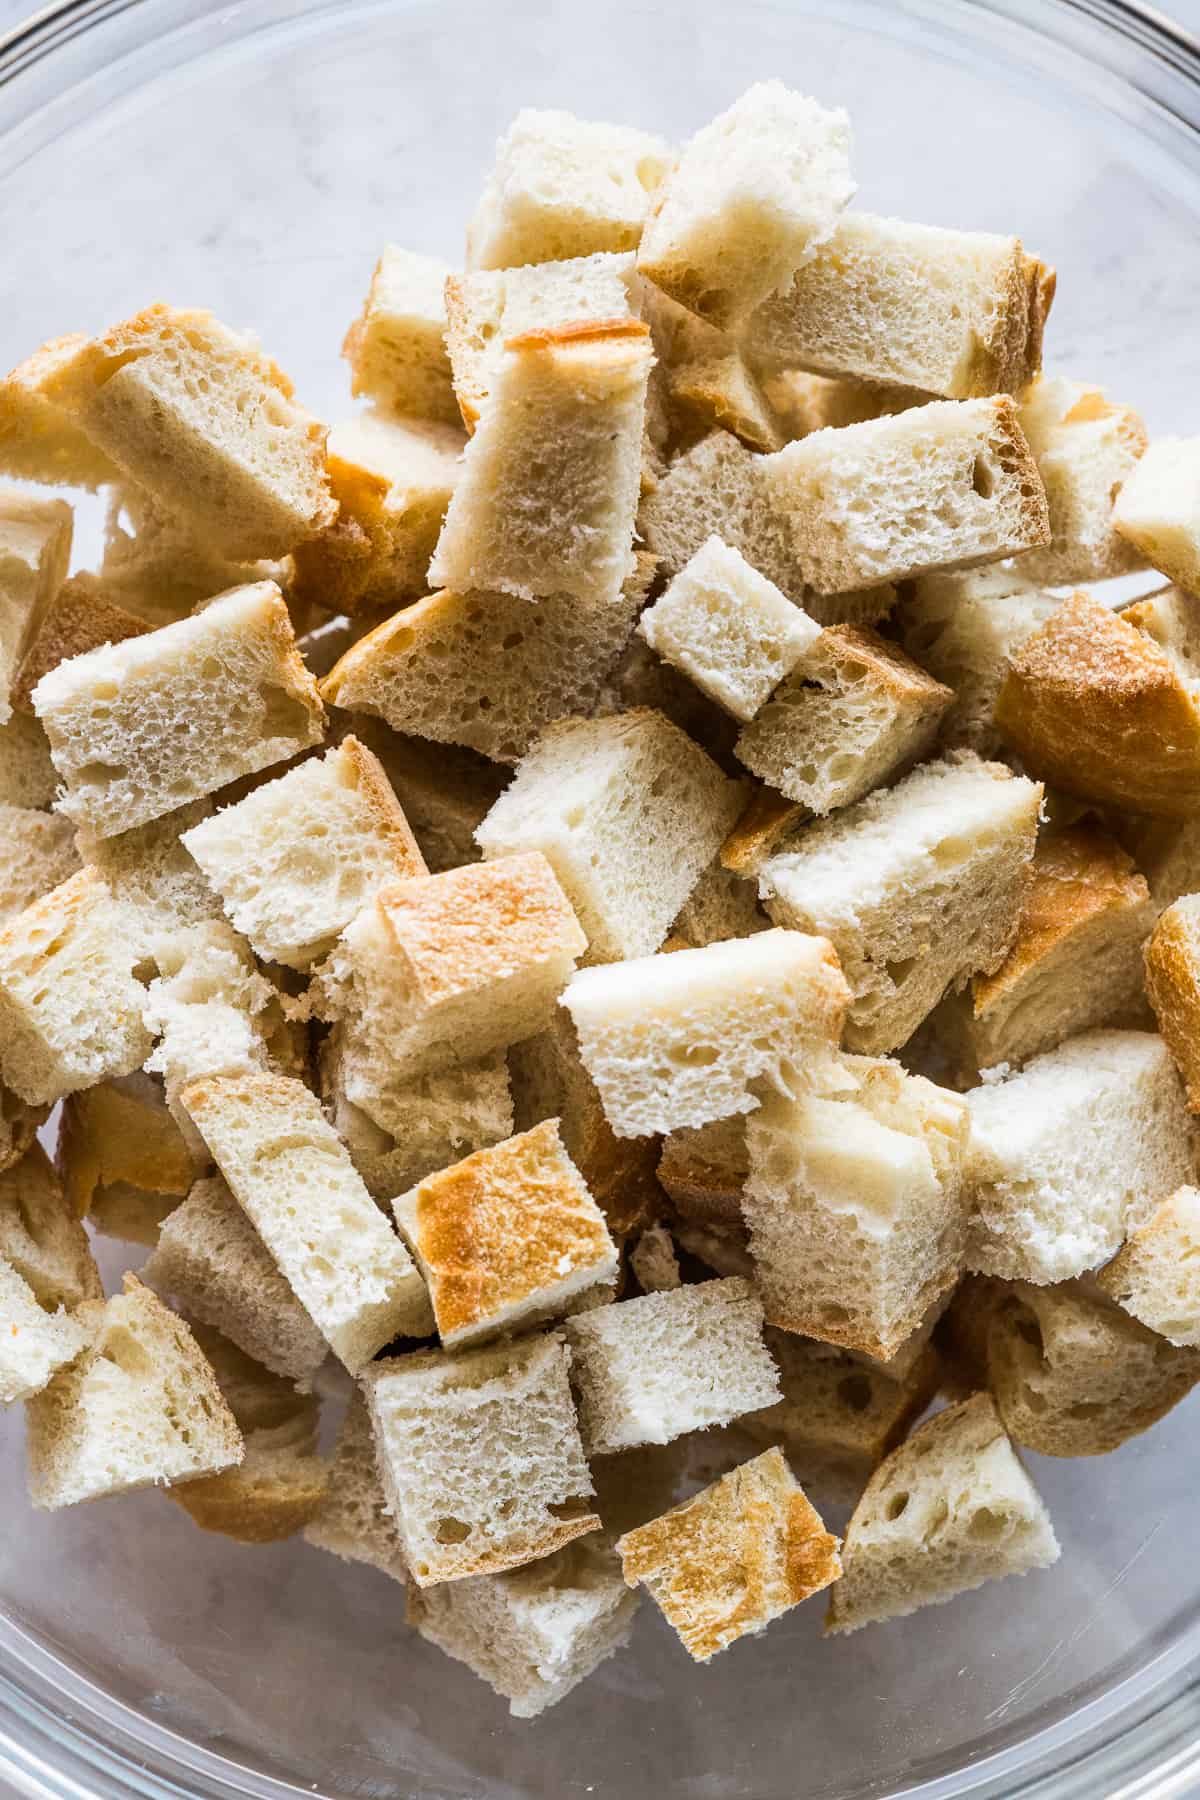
x=63 y=1738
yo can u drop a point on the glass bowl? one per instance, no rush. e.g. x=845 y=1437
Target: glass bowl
x=253 y=157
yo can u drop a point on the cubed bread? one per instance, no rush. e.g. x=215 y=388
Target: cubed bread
x=291 y=1174
x=1173 y=986
x=36 y=1341
x=1076 y=961
x=122 y=1158
x=579 y=393
x=564 y=187
x=703 y=1171
x=532 y=1634
x=804 y=402
x=628 y=812
x=704 y=379
x=677 y=1039
x=352 y=1520
x=431 y=1120
x=392 y=479
x=737 y=1555
x=77 y=617
x=721 y=905
x=487 y=671
x=846 y=719
x=273 y=1493
x=729 y=629
x=1157 y=510
x=1072 y=1154
x=297 y=858
x=653 y=1262
x=1155 y=1275
x=857 y=1206
x=937 y=487
x=231 y=673
x=211 y=1261
x=445 y=790
x=765 y=824
x=151 y=874
x=507 y=1238
x=1073 y=1374
x=958 y=314
x=139 y=1407
x=962 y=627
x=1103 y=710
x=206 y=423
x=19 y=1125
x=650 y=1369
x=1085 y=447
x=159 y=565
x=438 y=971
x=41 y=1239
x=481 y=1456
x=949 y=1509
x=1167 y=851
x=70 y=1002
x=396 y=347
x=39 y=439
x=749 y=200
x=37 y=853
x=486 y=307
x=35 y=550
x=27 y=775
x=917 y=887
x=838 y=1417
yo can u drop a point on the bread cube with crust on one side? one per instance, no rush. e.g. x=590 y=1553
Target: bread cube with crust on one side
x=564 y=187
x=1157 y=510
x=677 y=1039
x=1154 y=1274
x=734 y=1557
x=35 y=551
x=396 y=347
x=508 y=1238
x=1086 y=447
x=628 y=811
x=480 y=1455
x=140 y=728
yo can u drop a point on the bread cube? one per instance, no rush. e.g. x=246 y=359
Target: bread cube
x=677 y=1039
x=139 y=728
x=204 y=422
x=856 y=1205
x=27 y=775
x=160 y=565
x=392 y=479
x=1154 y=1274
x=272 y=1495
x=138 y=1408
x=916 y=886
x=628 y=811
x=39 y=440
x=729 y=629
x=396 y=347
x=703 y=1171
x=151 y=874
x=352 y=1520
x=291 y=1174
x=766 y=823
x=37 y=853
x=484 y=670
x=1073 y=1154
x=949 y=1509
x=1167 y=851
x=440 y=970
x=1076 y=961
x=35 y=550
x=1173 y=987
x=653 y=1262
x=432 y=1120
x=958 y=314
x=962 y=628
x=650 y=1369
x=705 y=379
x=19 y=1125
x=937 y=487
x=721 y=905
x=481 y=1457
x=41 y=1239
x=77 y=617
x=844 y=721
x=579 y=391
x=212 y=1262
x=532 y=1634
x=564 y=187
x=297 y=858
x=737 y=1555
x=70 y=1003
x=751 y=197
x=445 y=791
x=36 y=1341
x=1103 y=710
x=507 y=1238
x=1157 y=511
x=1086 y=447
x=122 y=1158
x=1074 y=1375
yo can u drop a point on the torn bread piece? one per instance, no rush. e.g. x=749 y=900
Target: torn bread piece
x=396 y=347
x=35 y=552
x=703 y=1171
x=1086 y=447
x=1154 y=1275
x=1172 y=971
x=1157 y=510
x=352 y=1519
x=152 y=875
x=41 y=1238
x=703 y=378
x=159 y=566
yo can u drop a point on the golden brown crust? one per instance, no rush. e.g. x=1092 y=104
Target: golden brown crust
x=38 y=440
x=102 y=356
x=546 y=337
x=255 y=1507
x=76 y=619
x=1096 y=707
x=1173 y=985
x=765 y=820
x=514 y=1553
x=889 y=668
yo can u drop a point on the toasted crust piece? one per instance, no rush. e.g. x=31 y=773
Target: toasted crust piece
x=1157 y=511
x=764 y=824
x=507 y=1238
x=77 y=618
x=1173 y=985
x=39 y=440
x=396 y=347
x=739 y=1554
x=1100 y=710
x=1156 y=1273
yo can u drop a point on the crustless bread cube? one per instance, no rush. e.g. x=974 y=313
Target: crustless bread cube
x=1156 y=1273
x=396 y=347
x=1157 y=509
x=139 y=728
x=1173 y=986
x=734 y=1557
x=352 y=1520
x=35 y=550
x=564 y=187
x=481 y=1457
x=650 y=1369
x=1086 y=447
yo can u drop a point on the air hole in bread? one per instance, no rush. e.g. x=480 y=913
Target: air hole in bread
x=983 y=478
x=987 y=1525
x=896 y=1506
x=97 y=774
x=452 y=1531
x=855 y=1392
x=284 y=715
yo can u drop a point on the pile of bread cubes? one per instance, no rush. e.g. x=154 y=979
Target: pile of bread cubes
x=624 y=893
